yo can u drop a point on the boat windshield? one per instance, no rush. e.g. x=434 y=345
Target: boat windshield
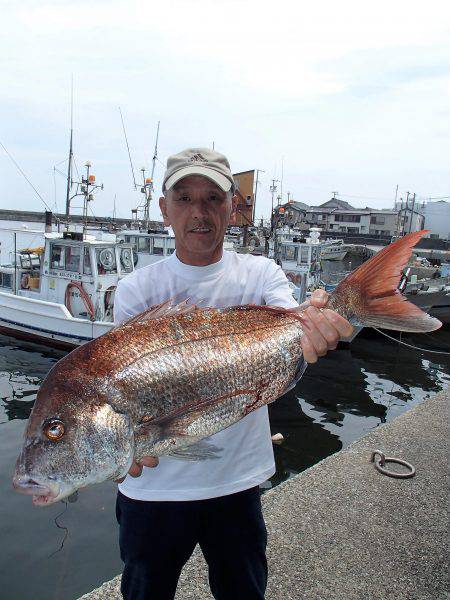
x=66 y=257
x=87 y=268
x=6 y=280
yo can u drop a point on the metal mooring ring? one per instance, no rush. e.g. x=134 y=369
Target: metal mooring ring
x=382 y=460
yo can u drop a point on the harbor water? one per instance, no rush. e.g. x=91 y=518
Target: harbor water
x=342 y=397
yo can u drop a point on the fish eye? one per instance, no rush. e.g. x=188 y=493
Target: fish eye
x=54 y=430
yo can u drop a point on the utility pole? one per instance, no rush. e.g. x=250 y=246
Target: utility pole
x=258 y=171
x=395 y=201
x=412 y=212
x=273 y=189
x=406 y=211
x=282 y=176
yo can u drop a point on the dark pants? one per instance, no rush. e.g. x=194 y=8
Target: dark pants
x=157 y=539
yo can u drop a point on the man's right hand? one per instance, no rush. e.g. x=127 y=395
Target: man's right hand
x=136 y=467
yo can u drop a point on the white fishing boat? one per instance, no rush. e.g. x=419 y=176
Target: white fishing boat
x=62 y=293
x=300 y=260
x=333 y=250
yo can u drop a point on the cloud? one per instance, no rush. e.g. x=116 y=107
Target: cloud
x=351 y=94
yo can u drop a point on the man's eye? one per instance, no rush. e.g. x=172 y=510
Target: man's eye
x=184 y=198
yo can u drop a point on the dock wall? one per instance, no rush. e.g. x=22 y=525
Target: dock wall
x=341 y=530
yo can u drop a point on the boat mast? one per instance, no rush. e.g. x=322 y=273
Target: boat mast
x=151 y=187
x=69 y=168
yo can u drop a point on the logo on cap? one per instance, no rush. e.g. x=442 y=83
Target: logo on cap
x=198 y=158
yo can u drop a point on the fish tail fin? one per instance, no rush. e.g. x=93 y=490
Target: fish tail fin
x=369 y=296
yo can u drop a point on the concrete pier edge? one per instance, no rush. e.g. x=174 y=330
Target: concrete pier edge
x=341 y=530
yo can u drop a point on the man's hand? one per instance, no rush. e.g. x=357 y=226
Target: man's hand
x=322 y=328
x=136 y=468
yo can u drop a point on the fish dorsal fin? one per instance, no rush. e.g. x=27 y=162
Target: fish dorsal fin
x=165 y=309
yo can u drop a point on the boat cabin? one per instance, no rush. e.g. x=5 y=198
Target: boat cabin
x=77 y=271
x=148 y=246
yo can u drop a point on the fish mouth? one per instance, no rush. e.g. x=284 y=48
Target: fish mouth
x=43 y=493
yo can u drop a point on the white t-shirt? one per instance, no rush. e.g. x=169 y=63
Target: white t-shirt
x=246 y=457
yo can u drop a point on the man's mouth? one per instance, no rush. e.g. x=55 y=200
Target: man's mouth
x=200 y=230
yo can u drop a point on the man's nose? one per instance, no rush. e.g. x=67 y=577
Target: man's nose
x=199 y=209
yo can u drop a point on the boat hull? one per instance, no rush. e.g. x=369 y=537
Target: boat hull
x=46 y=322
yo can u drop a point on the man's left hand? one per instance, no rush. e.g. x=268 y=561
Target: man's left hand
x=322 y=328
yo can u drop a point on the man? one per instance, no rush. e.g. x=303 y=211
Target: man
x=164 y=512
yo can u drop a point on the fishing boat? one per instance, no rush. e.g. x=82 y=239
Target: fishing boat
x=333 y=249
x=62 y=293
x=300 y=260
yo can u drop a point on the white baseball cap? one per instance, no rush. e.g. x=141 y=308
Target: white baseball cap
x=199 y=161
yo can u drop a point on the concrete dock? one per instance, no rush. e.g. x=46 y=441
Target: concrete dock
x=341 y=530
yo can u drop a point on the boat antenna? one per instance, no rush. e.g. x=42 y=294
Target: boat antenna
x=69 y=168
x=155 y=155
x=128 y=148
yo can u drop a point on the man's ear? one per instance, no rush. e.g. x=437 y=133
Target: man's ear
x=163 y=208
x=233 y=216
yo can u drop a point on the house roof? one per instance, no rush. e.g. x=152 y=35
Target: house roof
x=336 y=203
x=296 y=205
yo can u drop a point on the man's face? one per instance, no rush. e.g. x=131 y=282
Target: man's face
x=199 y=213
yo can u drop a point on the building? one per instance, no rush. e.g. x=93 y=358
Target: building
x=437 y=219
x=292 y=213
x=244 y=182
x=337 y=216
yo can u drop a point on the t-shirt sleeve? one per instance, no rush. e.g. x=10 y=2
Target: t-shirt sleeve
x=126 y=304
x=276 y=291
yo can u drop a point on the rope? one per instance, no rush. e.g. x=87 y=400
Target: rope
x=410 y=345
x=25 y=177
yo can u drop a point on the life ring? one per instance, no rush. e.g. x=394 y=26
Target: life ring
x=25 y=282
x=84 y=295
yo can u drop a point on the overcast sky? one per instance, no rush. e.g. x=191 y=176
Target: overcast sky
x=352 y=97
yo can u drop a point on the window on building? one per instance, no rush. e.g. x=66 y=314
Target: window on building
x=348 y=218
x=377 y=220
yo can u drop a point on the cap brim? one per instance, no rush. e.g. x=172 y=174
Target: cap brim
x=219 y=179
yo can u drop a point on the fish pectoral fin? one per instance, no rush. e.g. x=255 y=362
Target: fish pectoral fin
x=202 y=450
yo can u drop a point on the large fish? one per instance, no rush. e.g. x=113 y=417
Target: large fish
x=172 y=376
